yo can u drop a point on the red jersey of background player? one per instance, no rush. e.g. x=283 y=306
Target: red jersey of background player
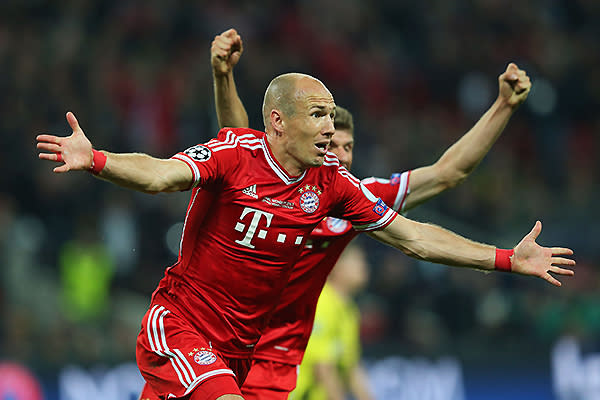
x=290 y=327
x=238 y=252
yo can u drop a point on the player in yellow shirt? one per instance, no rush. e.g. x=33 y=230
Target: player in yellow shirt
x=331 y=366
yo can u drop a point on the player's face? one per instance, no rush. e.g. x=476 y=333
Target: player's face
x=310 y=129
x=342 y=144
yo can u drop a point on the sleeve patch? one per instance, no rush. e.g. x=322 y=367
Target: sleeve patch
x=199 y=153
x=395 y=179
x=380 y=208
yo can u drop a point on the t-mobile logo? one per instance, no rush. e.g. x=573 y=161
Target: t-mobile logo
x=256 y=216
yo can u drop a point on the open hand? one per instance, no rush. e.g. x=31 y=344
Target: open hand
x=75 y=151
x=532 y=259
x=514 y=85
x=226 y=51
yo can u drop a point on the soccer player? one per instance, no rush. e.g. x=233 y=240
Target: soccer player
x=256 y=196
x=281 y=347
x=331 y=364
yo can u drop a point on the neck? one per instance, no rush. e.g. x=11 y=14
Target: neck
x=291 y=165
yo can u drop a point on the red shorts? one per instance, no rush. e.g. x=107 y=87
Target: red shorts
x=270 y=380
x=175 y=359
x=211 y=389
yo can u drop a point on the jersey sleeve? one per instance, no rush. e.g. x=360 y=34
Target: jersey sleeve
x=210 y=161
x=358 y=205
x=392 y=191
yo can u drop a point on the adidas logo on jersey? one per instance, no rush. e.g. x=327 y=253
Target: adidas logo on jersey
x=251 y=191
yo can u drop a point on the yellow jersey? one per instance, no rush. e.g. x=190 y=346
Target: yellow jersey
x=335 y=339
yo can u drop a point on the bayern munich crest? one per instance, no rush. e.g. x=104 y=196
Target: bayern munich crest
x=205 y=357
x=309 y=202
x=337 y=225
x=199 y=153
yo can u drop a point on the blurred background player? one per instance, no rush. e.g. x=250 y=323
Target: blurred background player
x=281 y=347
x=331 y=367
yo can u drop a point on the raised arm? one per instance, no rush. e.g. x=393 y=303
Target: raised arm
x=134 y=170
x=225 y=53
x=464 y=155
x=435 y=244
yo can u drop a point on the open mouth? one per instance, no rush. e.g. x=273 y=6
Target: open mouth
x=322 y=147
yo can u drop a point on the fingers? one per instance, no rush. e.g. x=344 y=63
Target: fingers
x=561 y=251
x=562 y=261
x=51 y=147
x=224 y=43
x=61 y=169
x=229 y=33
x=54 y=149
x=73 y=121
x=221 y=46
x=48 y=156
x=535 y=232
x=512 y=73
x=561 y=271
x=57 y=157
x=556 y=270
x=48 y=139
x=550 y=279
x=517 y=78
x=523 y=84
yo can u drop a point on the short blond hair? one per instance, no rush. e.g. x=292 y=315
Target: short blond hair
x=343 y=120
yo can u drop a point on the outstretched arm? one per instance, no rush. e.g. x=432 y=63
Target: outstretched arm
x=464 y=155
x=225 y=53
x=134 y=170
x=435 y=244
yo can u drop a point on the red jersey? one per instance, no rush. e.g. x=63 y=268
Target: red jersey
x=289 y=329
x=247 y=222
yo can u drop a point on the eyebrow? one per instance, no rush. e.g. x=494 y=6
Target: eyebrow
x=346 y=143
x=322 y=107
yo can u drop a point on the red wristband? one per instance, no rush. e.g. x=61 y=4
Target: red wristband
x=98 y=162
x=502 y=262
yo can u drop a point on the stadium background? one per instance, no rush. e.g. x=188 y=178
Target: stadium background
x=79 y=257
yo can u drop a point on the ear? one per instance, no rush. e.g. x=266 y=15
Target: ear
x=277 y=122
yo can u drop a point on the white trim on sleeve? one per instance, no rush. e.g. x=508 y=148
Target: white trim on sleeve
x=190 y=162
x=387 y=218
x=402 y=192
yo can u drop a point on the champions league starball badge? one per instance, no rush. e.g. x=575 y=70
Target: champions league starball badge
x=199 y=153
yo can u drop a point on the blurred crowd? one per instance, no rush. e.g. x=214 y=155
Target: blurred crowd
x=80 y=257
